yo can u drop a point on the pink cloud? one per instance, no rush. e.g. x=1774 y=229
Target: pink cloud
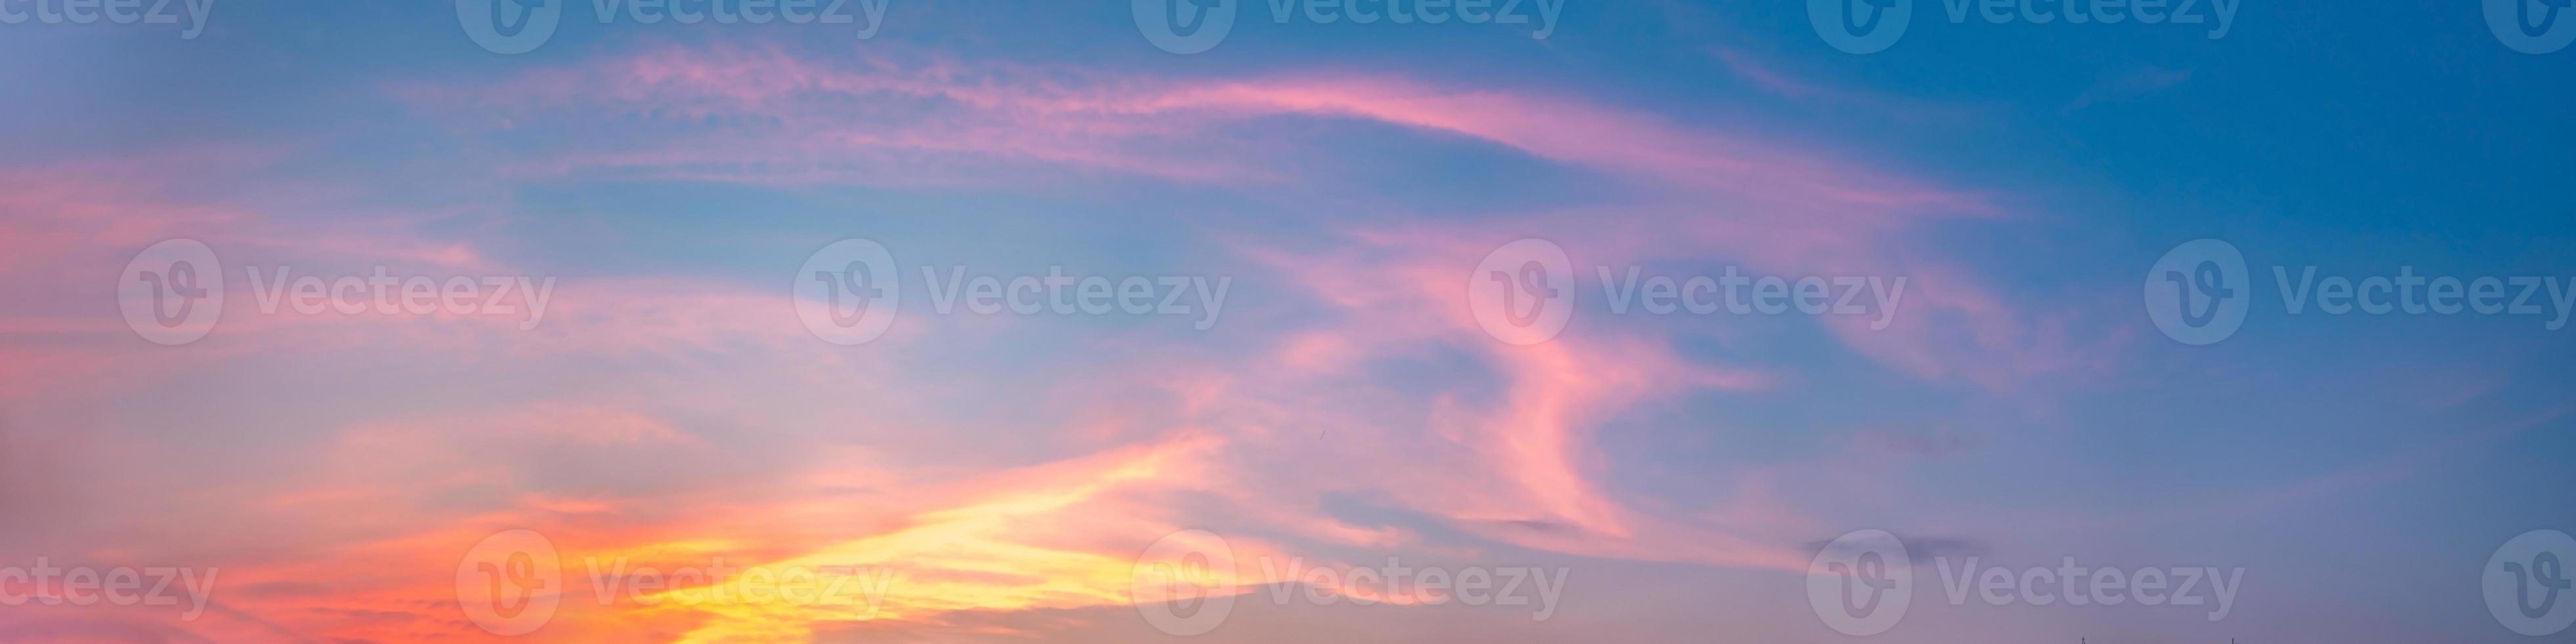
x=811 y=432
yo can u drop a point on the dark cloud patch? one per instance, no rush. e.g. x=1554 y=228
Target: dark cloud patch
x=1538 y=526
x=1922 y=548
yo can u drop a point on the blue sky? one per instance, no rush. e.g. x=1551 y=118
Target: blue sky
x=1348 y=402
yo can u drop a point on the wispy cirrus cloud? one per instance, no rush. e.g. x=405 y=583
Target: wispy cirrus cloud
x=705 y=422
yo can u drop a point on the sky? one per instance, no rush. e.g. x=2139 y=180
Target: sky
x=1242 y=321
